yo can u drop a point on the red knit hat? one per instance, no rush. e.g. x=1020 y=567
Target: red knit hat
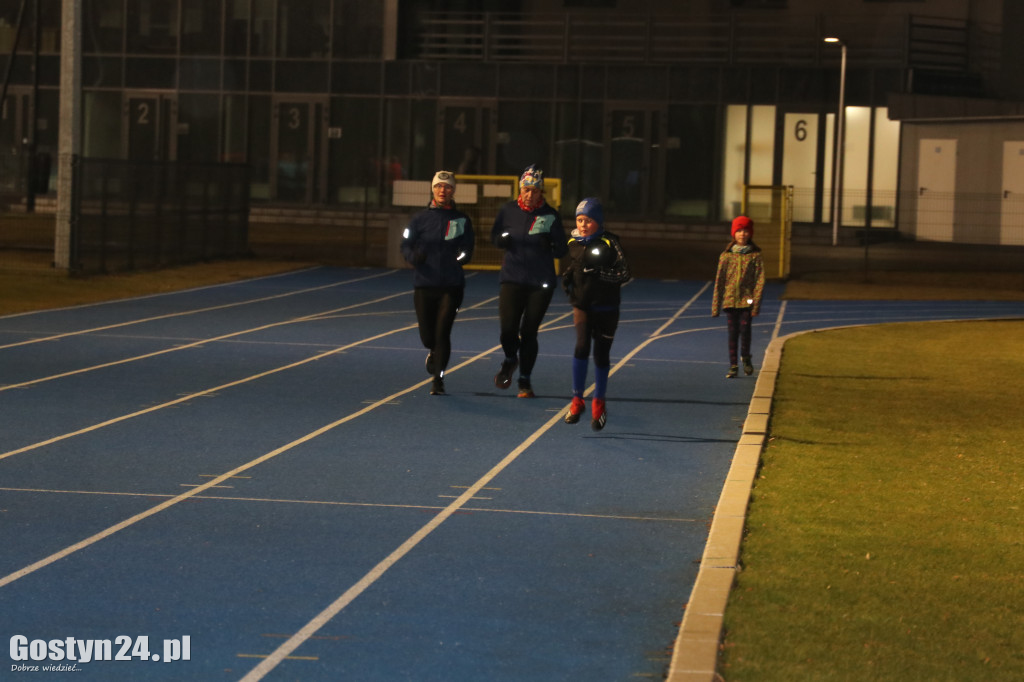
x=742 y=222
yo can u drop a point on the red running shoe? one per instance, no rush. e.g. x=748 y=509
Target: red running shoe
x=598 y=415
x=576 y=408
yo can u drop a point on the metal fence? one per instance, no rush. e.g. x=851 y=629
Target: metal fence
x=129 y=215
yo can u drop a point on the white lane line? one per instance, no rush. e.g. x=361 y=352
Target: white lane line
x=214 y=482
x=383 y=505
x=183 y=313
x=315 y=317
x=308 y=630
x=212 y=391
x=205 y=392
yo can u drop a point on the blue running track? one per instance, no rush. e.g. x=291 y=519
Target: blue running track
x=253 y=477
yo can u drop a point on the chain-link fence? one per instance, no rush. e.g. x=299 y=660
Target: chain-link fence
x=131 y=214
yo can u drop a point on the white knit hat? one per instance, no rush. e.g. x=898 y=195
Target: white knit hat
x=444 y=177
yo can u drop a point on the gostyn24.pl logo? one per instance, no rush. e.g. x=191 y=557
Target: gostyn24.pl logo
x=30 y=654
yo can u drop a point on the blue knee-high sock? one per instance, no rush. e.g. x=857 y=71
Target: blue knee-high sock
x=579 y=376
x=600 y=381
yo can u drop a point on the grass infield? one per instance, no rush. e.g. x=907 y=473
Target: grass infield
x=884 y=538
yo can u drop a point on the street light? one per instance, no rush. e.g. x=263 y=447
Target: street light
x=837 y=170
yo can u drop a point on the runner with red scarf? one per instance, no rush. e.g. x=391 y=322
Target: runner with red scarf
x=531 y=233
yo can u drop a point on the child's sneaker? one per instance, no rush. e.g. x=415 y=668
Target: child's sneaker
x=734 y=371
x=576 y=408
x=525 y=389
x=598 y=415
x=503 y=379
x=748 y=367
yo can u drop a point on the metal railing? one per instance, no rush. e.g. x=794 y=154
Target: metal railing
x=738 y=38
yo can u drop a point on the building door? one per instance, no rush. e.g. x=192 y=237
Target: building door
x=936 y=189
x=800 y=145
x=1012 y=204
x=466 y=136
x=297 y=149
x=636 y=162
x=150 y=120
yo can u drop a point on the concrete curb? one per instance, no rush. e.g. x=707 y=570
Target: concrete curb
x=695 y=654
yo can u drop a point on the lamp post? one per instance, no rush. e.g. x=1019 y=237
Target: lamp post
x=837 y=169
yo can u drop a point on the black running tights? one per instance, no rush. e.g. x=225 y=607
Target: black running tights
x=435 y=311
x=521 y=309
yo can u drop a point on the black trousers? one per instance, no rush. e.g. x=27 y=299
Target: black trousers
x=436 y=308
x=521 y=309
x=599 y=325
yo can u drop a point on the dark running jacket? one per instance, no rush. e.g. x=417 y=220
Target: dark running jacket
x=535 y=239
x=591 y=288
x=432 y=244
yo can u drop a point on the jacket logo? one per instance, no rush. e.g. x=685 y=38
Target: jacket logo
x=542 y=224
x=456 y=228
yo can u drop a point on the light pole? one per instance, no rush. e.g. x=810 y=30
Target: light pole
x=837 y=169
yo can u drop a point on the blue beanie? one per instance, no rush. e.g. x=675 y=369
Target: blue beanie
x=591 y=207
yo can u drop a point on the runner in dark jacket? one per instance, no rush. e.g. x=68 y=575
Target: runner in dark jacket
x=531 y=233
x=596 y=272
x=437 y=243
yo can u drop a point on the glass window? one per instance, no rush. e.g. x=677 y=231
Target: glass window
x=102 y=72
x=199 y=73
x=151 y=72
x=762 y=145
x=424 y=133
x=236 y=33
x=101 y=124
x=355 y=158
x=303 y=28
x=358 y=29
x=102 y=26
x=398 y=142
x=262 y=28
x=689 y=153
x=235 y=117
x=259 y=146
x=200 y=27
x=857 y=133
x=884 y=180
x=153 y=26
x=734 y=158
x=525 y=136
x=198 y=124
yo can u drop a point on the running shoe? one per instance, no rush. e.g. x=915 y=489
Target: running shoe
x=429 y=364
x=748 y=367
x=576 y=408
x=734 y=371
x=525 y=389
x=503 y=379
x=437 y=388
x=598 y=415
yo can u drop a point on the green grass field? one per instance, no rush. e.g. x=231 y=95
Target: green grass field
x=884 y=539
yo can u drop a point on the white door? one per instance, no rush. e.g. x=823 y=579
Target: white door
x=936 y=188
x=800 y=162
x=1012 y=204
